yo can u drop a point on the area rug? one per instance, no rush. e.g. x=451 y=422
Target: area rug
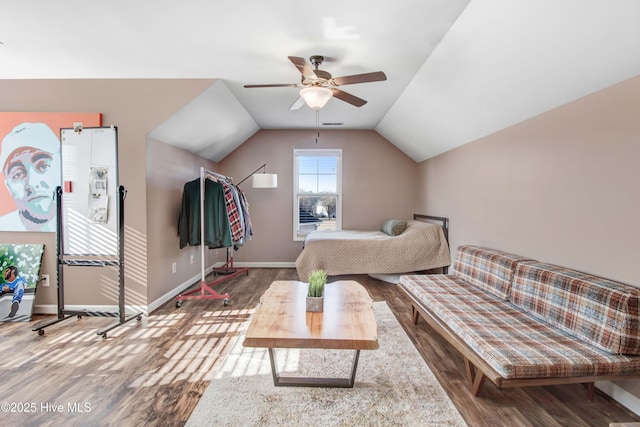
x=393 y=387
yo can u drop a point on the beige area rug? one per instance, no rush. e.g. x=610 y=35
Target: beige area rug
x=393 y=387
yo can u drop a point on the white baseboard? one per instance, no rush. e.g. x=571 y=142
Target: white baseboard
x=265 y=264
x=128 y=309
x=620 y=395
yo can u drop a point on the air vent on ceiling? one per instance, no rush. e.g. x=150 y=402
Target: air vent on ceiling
x=332 y=123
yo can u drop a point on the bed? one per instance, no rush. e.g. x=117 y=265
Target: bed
x=423 y=245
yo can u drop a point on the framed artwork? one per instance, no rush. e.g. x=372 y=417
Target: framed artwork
x=20 y=267
x=30 y=167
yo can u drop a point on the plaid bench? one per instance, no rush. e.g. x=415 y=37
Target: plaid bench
x=520 y=322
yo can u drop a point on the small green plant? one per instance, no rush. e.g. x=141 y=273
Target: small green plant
x=317 y=280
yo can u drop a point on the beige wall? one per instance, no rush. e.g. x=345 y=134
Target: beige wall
x=561 y=187
x=136 y=107
x=168 y=169
x=379 y=182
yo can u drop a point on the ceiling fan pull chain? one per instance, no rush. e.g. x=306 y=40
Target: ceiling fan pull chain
x=317 y=124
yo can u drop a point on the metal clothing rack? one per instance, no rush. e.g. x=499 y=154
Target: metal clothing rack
x=206 y=291
x=90 y=260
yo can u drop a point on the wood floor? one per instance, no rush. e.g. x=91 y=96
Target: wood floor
x=153 y=372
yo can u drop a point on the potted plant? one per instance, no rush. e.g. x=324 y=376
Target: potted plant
x=315 y=295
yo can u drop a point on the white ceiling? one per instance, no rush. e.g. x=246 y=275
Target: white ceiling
x=457 y=70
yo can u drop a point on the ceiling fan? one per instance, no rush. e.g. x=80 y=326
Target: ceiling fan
x=318 y=86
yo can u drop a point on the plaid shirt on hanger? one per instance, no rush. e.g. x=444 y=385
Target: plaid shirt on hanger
x=235 y=222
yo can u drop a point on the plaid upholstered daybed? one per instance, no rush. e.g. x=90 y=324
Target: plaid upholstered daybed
x=520 y=322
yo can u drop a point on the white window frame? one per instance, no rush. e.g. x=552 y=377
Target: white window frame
x=296 y=211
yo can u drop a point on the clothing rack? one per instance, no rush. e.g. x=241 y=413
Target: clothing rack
x=206 y=291
x=90 y=260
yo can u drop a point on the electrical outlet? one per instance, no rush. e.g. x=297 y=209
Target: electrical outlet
x=45 y=280
x=174 y=267
x=191 y=258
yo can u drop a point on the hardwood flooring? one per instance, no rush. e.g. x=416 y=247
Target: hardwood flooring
x=153 y=372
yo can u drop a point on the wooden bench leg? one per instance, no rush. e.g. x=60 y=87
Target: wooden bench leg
x=590 y=390
x=476 y=379
x=415 y=316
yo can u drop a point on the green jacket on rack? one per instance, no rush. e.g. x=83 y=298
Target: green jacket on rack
x=217 y=232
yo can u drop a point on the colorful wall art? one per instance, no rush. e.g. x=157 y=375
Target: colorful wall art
x=30 y=167
x=20 y=267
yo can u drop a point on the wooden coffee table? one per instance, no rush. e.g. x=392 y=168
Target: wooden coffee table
x=281 y=321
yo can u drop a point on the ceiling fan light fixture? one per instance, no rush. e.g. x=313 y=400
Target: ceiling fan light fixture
x=316 y=96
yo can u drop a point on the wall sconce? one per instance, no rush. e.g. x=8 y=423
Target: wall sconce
x=316 y=96
x=262 y=180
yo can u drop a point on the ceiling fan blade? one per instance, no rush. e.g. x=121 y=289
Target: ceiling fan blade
x=347 y=97
x=303 y=67
x=296 y=105
x=360 y=78
x=273 y=85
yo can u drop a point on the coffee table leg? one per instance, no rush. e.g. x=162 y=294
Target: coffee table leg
x=287 y=381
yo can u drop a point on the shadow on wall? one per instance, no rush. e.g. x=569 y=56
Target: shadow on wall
x=135 y=268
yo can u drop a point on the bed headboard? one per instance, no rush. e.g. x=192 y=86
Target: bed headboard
x=441 y=221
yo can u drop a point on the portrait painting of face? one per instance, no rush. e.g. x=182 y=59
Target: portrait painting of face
x=30 y=167
x=31 y=176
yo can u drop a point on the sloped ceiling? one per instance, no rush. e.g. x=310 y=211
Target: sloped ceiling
x=457 y=70
x=226 y=121
x=505 y=61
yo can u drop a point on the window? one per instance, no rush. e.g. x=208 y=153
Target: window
x=317 y=191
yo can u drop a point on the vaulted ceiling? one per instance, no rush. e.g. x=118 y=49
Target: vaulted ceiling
x=457 y=70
